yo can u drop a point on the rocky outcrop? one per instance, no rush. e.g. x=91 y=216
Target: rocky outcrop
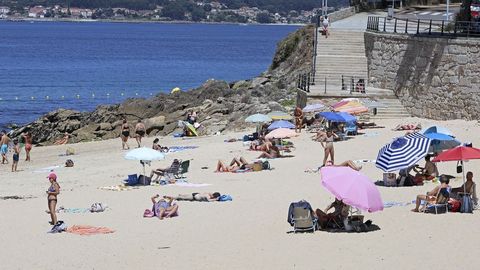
x=220 y=105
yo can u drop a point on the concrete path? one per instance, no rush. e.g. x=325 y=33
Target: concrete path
x=357 y=22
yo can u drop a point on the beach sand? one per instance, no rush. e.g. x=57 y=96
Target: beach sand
x=249 y=232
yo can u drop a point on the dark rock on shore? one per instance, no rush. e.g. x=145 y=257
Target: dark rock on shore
x=220 y=105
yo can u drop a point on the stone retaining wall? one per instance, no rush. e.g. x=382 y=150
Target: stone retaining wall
x=342 y=14
x=435 y=78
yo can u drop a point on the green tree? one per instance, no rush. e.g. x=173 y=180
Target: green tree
x=198 y=14
x=207 y=7
x=174 y=10
x=263 y=17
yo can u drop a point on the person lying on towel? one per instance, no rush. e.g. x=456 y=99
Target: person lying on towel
x=198 y=197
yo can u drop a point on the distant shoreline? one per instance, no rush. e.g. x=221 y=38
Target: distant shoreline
x=138 y=21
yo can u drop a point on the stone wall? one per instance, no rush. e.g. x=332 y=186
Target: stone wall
x=342 y=14
x=435 y=78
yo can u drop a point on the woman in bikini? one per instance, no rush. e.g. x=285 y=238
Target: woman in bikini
x=163 y=208
x=235 y=165
x=125 y=134
x=327 y=144
x=52 y=194
x=28 y=144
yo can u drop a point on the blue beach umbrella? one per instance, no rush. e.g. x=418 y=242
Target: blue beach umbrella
x=441 y=142
x=258 y=118
x=332 y=116
x=280 y=124
x=348 y=117
x=403 y=152
x=437 y=129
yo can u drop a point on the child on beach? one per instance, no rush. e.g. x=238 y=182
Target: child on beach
x=16 y=155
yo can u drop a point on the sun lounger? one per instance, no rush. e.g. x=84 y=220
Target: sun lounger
x=440 y=202
x=183 y=169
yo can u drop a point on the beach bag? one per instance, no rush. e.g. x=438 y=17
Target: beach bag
x=453 y=205
x=148 y=213
x=144 y=180
x=97 y=207
x=467 y=204
x=69 y=163
x=59 y=227
x=459 y=167
x=224 y=198
x=266 y=165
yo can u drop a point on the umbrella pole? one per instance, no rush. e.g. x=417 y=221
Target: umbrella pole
x=463 y=172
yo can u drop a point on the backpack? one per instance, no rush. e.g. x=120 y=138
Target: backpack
x=97 y=207
x=69 y=163
x=59 y=227
x=265 y=165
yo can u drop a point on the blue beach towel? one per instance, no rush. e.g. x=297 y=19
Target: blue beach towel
x=224 y=198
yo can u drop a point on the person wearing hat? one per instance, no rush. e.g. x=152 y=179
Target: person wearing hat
x=432 y=195
x=52 y=193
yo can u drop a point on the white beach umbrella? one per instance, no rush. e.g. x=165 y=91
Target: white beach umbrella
x=144 y=154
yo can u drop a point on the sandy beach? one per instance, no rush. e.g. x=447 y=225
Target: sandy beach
x=249 y=232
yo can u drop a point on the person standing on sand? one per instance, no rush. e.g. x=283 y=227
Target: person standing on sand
x=125 y=134
x=139 y=132
x=16 y=155
x=328 y=139
x=52 y=194
x=298 y=119
x=4 y=141
x=28 y=144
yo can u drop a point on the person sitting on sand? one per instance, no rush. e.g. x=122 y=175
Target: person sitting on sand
x=262 y=145
x=347 y=163
x=273 y=152
x=429 y=172
x=158 y=147
x=235 y=165
x=63 y=140
x=468 y=187
x=161 y=171
x=433 y=194
x=196 y=197
x=340 y=213
x=163 y=208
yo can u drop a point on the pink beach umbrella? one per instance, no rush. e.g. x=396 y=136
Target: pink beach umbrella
x=352 y=187
x=281 y=133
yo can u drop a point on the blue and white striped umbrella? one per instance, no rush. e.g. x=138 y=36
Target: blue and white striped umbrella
x=403 y=152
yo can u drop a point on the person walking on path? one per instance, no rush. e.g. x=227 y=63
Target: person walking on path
x=125 y=134
x=52 y=194
x=328 y=139
x=4 y=141
x=16 y=155
x=28 y=144
x=326 y=24
x=298 y=119
x=139 y=132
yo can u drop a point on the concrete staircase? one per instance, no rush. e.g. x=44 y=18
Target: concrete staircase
x=343 y=53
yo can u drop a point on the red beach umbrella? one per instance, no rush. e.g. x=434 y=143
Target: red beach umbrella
x=460 y=153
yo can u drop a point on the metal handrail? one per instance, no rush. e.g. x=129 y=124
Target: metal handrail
x=423 y=27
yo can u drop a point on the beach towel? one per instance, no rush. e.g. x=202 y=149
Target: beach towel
x=88 y=230
x=225 y=198
x=391 y=204
x=186 y=184
x=46 y=169
x=73 y=210
x=174 y=149
x=118 y=188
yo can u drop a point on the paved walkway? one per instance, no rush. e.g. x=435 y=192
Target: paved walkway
x=357 y=22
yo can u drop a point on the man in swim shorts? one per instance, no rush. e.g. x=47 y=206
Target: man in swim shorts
x=16 y=155
x=4 y=140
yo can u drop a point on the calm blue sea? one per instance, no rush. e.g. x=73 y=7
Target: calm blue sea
x=50 y=65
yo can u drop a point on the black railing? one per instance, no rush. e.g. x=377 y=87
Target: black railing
x=354 y=84
x=423 y=27
x=304 y=81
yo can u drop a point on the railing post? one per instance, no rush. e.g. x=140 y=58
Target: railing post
x=352 y=85
x=395 y=26
x=343 y=83
x=406 y=26
x=430 y=28
x=325 y=84
x=443 y=24
x=384 y=24
x=418 y=26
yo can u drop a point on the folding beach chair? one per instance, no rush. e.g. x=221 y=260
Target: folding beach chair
x=440 y=202
x=303 y=220
x=351 y=128
x=132 y=180
x=183 y=169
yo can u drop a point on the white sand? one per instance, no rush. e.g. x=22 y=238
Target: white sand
x=248 y=233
